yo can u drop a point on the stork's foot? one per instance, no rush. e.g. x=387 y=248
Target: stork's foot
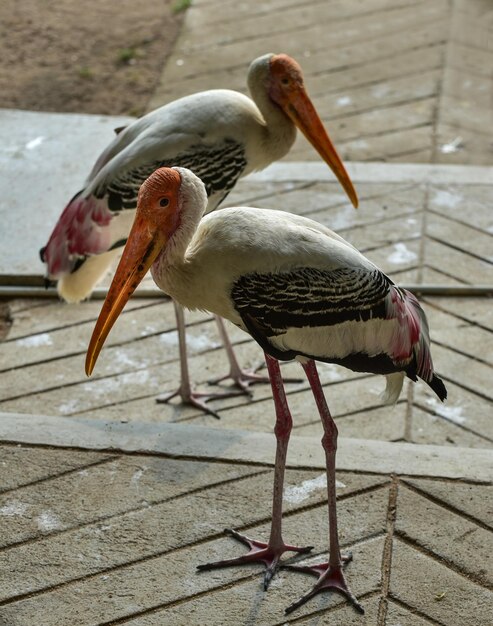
x=259 y=552
x=244 y=378
x=329 y=578
x=197 y=400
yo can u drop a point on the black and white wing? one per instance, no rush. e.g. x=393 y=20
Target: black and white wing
x=274 y=305
x=354 y=317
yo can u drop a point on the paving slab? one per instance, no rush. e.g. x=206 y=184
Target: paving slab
x=183 y=440
x=441 y=594
x=130 y=530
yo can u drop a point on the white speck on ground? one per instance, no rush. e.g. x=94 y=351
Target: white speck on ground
x=452 y=146
x=35 y=341
x=445 y=198
x=136 y=477
x=330 y=371
x=343 y=101
x=69 y=407
x=450 y=413
x=297 y=493
x=124 y=359
x=379 y=91
x=34 y=143
x=47 y=521
x=197 y=343
x=13 y=507
x=344 y=218
x=401 y=254
x=148 y=330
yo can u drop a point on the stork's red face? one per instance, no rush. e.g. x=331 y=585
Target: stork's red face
x=287 y=90
x=156 y=219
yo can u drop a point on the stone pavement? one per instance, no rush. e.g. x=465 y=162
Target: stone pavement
x=399 y=80
x=108 y=501
x=110 y=532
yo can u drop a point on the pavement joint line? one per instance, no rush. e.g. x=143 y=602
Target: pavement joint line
x=431 y=411
x=300 y=388
x=52 y=329
x=415 y=545
x=113 y=375
x=361 y=172
x=404 y=153
x=440 y=270
x=378 y=81
x=334 y=19
x=435 y=303
x=380 y=107
x=366 y=410
x=473 y=357
x=379 y=36
x=149 y=557
x=415 y=611
x=145 y=507
x=411 y=239
x=179 y=601
x=4 y=492
x=369 y=223
x=229 y=585
x=455 y=219
x=460 y=384
x=121 y=566
x=375 y=60
x=179 y=440
x=386 y=567
x=113 y=345
x=408 y=417
x=464 y=251
x=445 y=505
x=325 y=611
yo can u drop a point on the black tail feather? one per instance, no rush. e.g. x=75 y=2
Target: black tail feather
x=438 y=387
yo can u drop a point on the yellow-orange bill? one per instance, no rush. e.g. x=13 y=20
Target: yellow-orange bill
x=302 y=112
x=139 y=254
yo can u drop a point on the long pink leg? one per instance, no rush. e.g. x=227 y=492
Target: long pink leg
x=241 y=378
x=187 y=395
x=271 y=552
x=330 y=575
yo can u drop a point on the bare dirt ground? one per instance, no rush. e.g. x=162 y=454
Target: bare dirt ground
x=90 y=56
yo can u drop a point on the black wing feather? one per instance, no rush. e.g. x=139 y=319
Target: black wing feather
x=310 y=297
x=219 y=166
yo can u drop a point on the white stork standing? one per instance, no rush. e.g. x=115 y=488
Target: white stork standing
x=300 y=290
x=222 y=136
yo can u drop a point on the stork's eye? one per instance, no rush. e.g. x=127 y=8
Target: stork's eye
x=164 y=202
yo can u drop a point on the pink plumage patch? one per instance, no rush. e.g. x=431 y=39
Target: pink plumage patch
x=412 y=336
x=81 y=231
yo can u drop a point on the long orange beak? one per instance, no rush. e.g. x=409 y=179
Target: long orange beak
x=141 y=250
x=303 y=114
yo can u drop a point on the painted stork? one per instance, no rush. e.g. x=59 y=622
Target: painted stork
x=300 y=290
x=222 y=136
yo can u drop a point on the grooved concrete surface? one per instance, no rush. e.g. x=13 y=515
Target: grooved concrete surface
x=394 y=80
x=97 y=533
